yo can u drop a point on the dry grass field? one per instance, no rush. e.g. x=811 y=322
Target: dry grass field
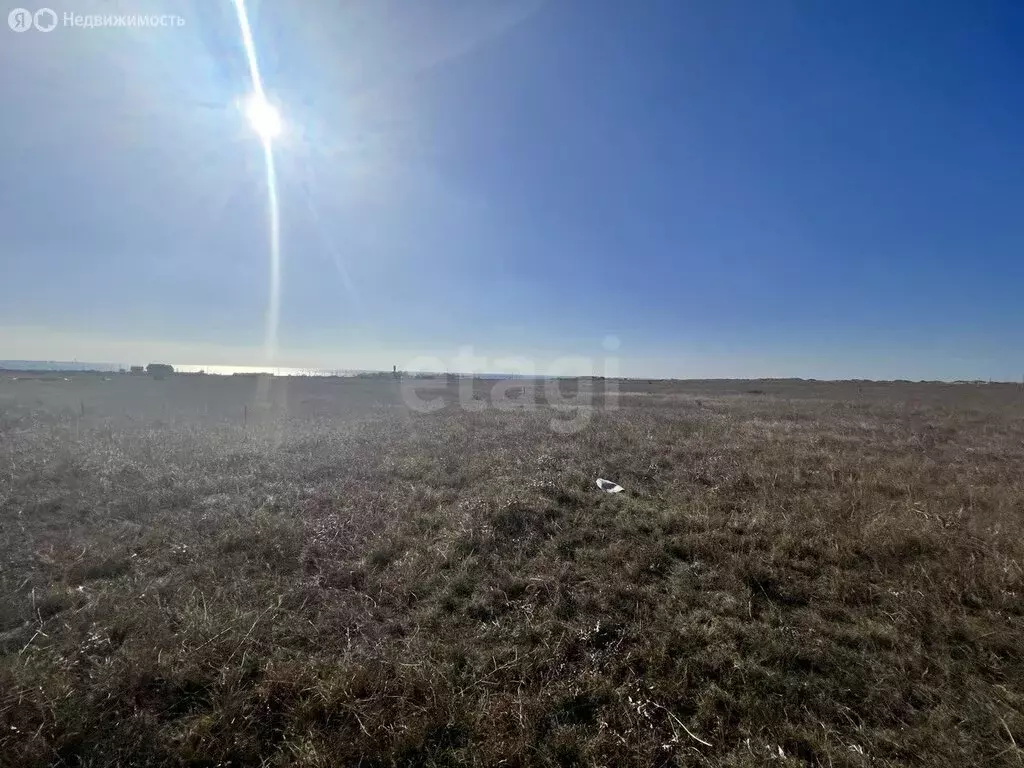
x=212 y=571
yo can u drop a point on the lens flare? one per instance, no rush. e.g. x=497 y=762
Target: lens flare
x=266 y=121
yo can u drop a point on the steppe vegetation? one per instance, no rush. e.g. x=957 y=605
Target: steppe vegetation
x=240 y=571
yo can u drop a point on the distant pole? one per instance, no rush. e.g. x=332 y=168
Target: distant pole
x=245 y=414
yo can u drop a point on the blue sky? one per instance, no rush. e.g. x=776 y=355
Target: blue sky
x=818 y=189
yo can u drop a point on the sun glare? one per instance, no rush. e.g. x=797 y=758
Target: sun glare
x=263 y=117
x=267 y=123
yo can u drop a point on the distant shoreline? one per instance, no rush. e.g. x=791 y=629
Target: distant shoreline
x=59 y=366
x=28 y=366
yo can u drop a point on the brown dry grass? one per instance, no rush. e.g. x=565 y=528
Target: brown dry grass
x=812 y=574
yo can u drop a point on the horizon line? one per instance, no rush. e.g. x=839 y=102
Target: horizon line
x=321 y=372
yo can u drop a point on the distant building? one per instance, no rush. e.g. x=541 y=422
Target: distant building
x=137 y=369
x=159 y=370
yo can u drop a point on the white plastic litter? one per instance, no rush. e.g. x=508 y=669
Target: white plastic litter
x=609 y=486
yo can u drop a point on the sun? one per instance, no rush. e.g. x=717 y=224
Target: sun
x=263 y=117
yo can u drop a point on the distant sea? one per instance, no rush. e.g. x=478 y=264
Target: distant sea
x=222 y=370
x=219 y=370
